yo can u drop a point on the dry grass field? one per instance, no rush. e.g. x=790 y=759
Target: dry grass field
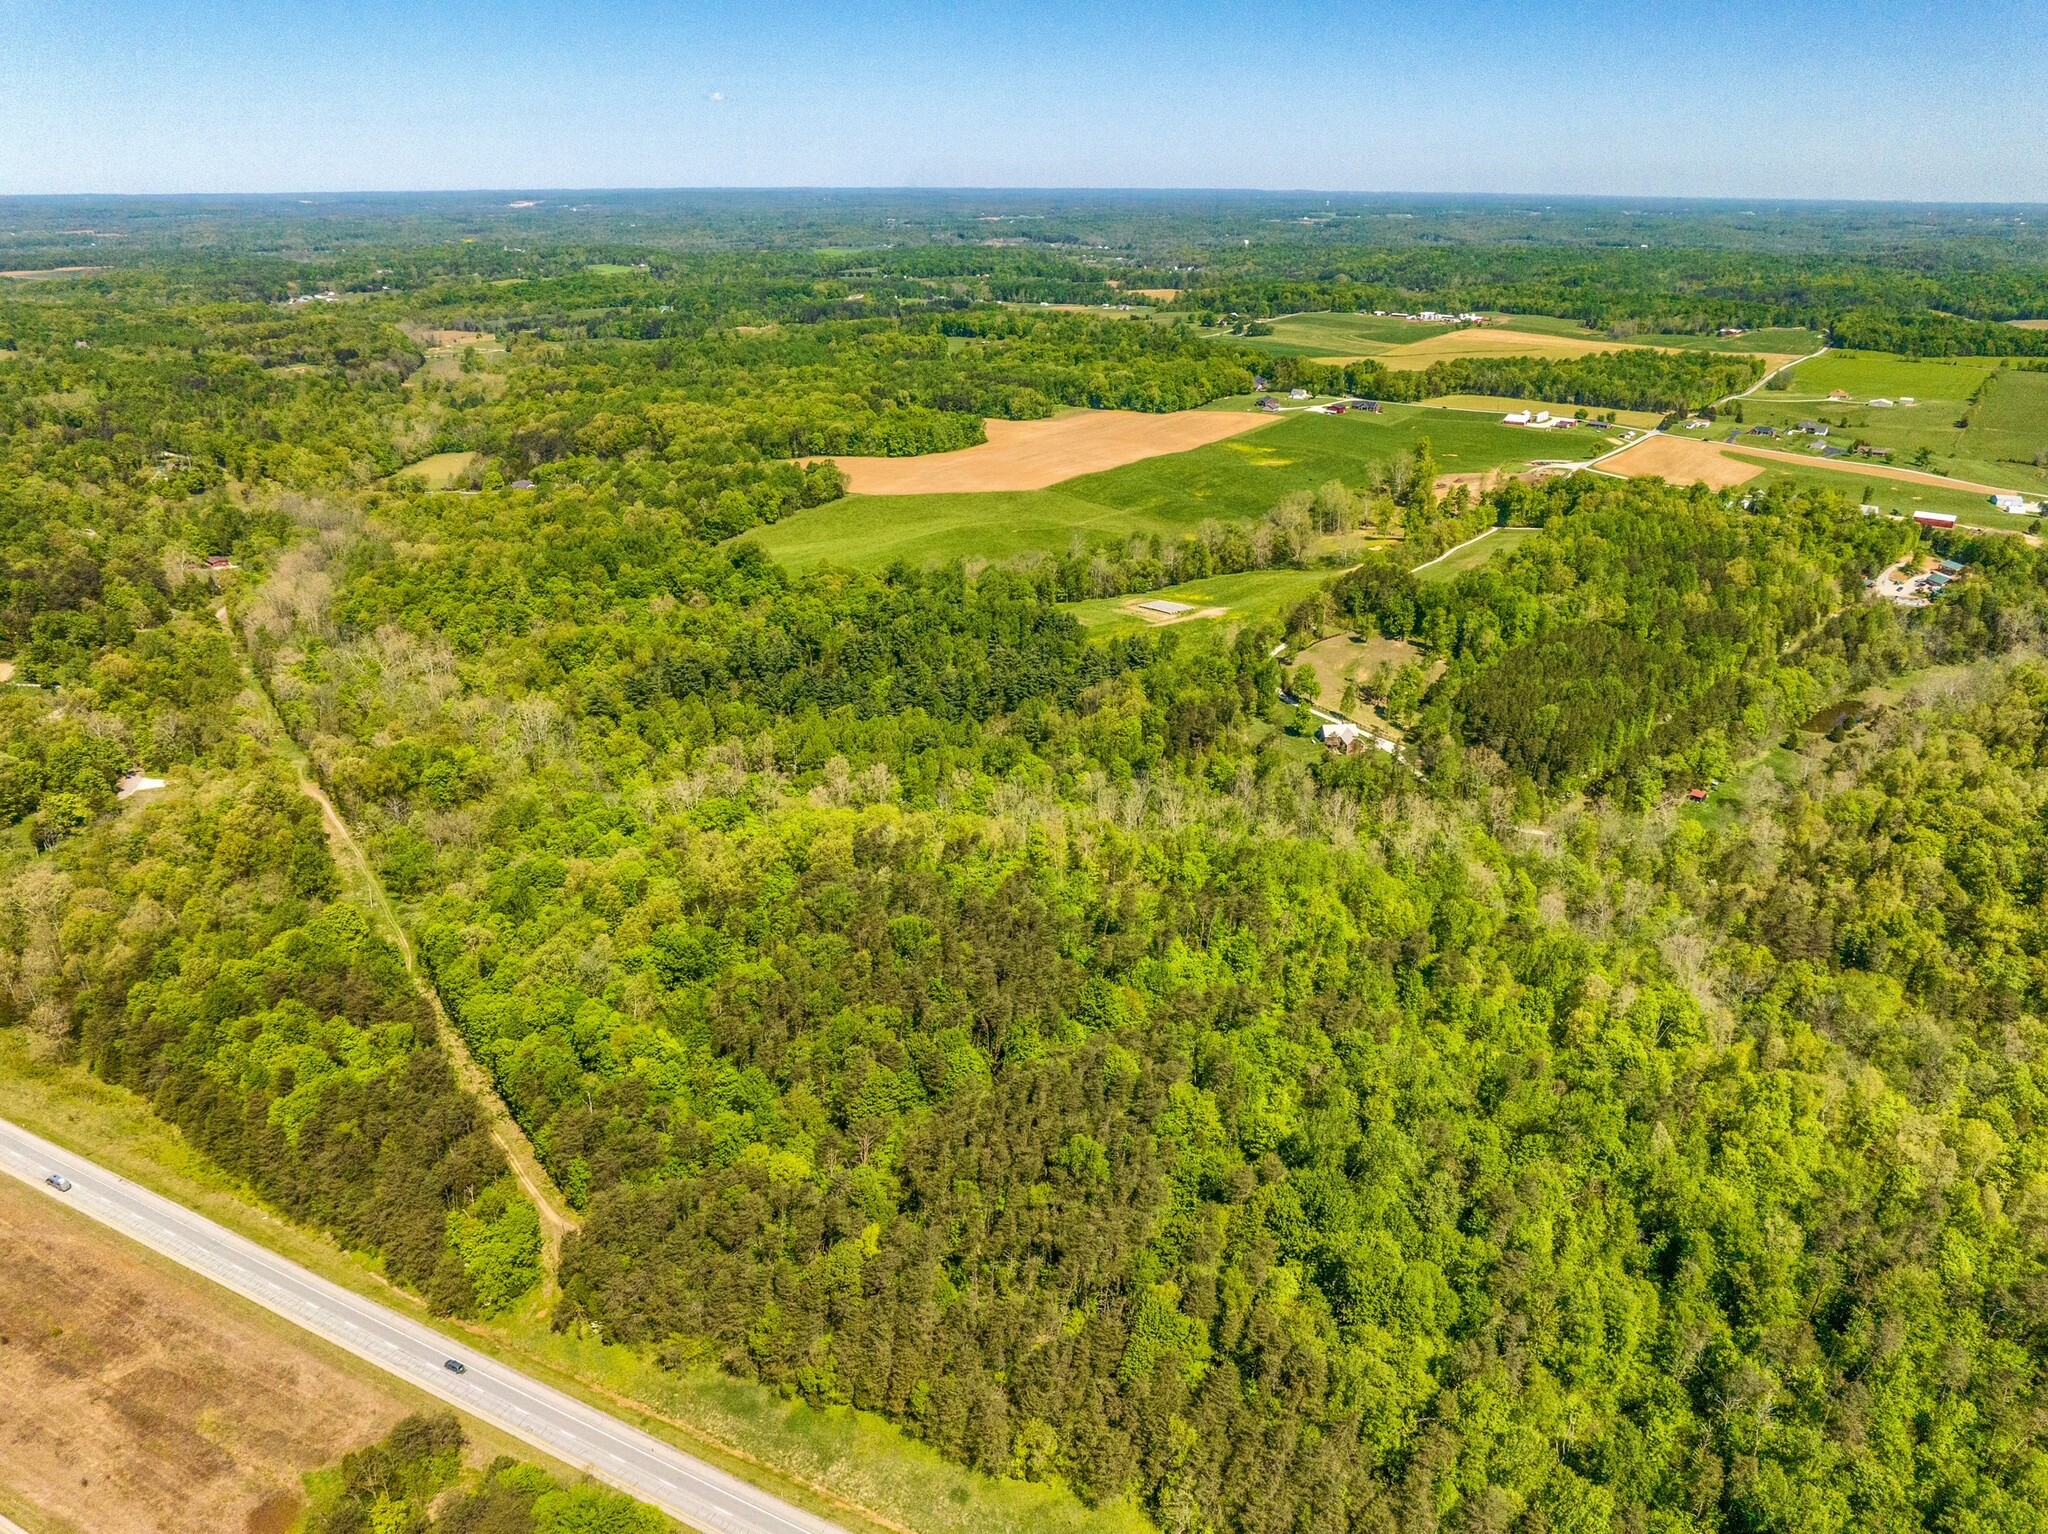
x=141 y=1398
x=1341 y=658
x=441 y=471
x=1486 y=341
x=1684 y=463
x=1031 y=455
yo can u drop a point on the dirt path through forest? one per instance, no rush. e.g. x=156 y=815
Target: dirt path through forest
x=556 y=1218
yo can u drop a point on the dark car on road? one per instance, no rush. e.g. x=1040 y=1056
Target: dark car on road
x=456 y=1366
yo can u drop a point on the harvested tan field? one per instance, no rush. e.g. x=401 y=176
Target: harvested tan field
x=1157 y=295
x=1684 y=463
x=2023 y=324
x=141 y=1398
x=1030 y=455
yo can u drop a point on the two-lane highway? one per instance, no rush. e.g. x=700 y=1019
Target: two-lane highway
x=623 y=1456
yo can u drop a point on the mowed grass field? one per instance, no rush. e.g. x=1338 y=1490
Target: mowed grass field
x=1171 y=495
x=1249 y=597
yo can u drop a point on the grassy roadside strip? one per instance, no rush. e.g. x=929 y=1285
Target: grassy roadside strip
x=846 y=1465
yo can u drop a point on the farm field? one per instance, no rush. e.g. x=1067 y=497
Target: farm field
x=1779 y=342
x=1723 y=467
x=1337 y=335
x=1030 y=455
x=129 y=1403
x=1682 y=461
x=1487 y=341
x=2006 y=426
x=1247 y=597
x=1238 y=478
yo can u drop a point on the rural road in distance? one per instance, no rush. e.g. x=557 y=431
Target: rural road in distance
x=700 y=1495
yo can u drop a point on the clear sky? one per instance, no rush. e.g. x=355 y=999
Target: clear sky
x=1813 y=98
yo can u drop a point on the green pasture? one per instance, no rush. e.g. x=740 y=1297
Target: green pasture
x=1336 y=335
x=2010 y=423
x=1971 y=509
x=1250 y=597
x=1234 y=480
x=2006 y=430
x=1791 y=341
x=1880 y=375
x=1497 y=543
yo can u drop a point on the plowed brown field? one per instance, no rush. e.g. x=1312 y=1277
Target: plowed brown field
x=137 y=1397
x=1030 y=455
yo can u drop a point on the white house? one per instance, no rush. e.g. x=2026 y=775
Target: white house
x=1515 y=418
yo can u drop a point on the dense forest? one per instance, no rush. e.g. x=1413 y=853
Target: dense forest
x=932 y=1006
x=412 y=1481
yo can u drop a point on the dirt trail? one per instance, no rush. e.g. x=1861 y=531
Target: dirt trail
x=556 y=1218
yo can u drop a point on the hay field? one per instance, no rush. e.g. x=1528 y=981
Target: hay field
x=1682 y=462
x=1486 y=341
x=142 y=1398
x=2023 y=324
x=1031 y=455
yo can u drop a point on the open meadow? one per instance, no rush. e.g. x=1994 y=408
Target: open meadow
x=1974 y=418
x=1240 y=478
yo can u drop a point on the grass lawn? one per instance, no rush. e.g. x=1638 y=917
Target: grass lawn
x=1173 y=494
x=786 y=1447
x=1252 y=596
x=2010 y=423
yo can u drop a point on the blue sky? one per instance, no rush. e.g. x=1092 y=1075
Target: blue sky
x=1721 y=98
